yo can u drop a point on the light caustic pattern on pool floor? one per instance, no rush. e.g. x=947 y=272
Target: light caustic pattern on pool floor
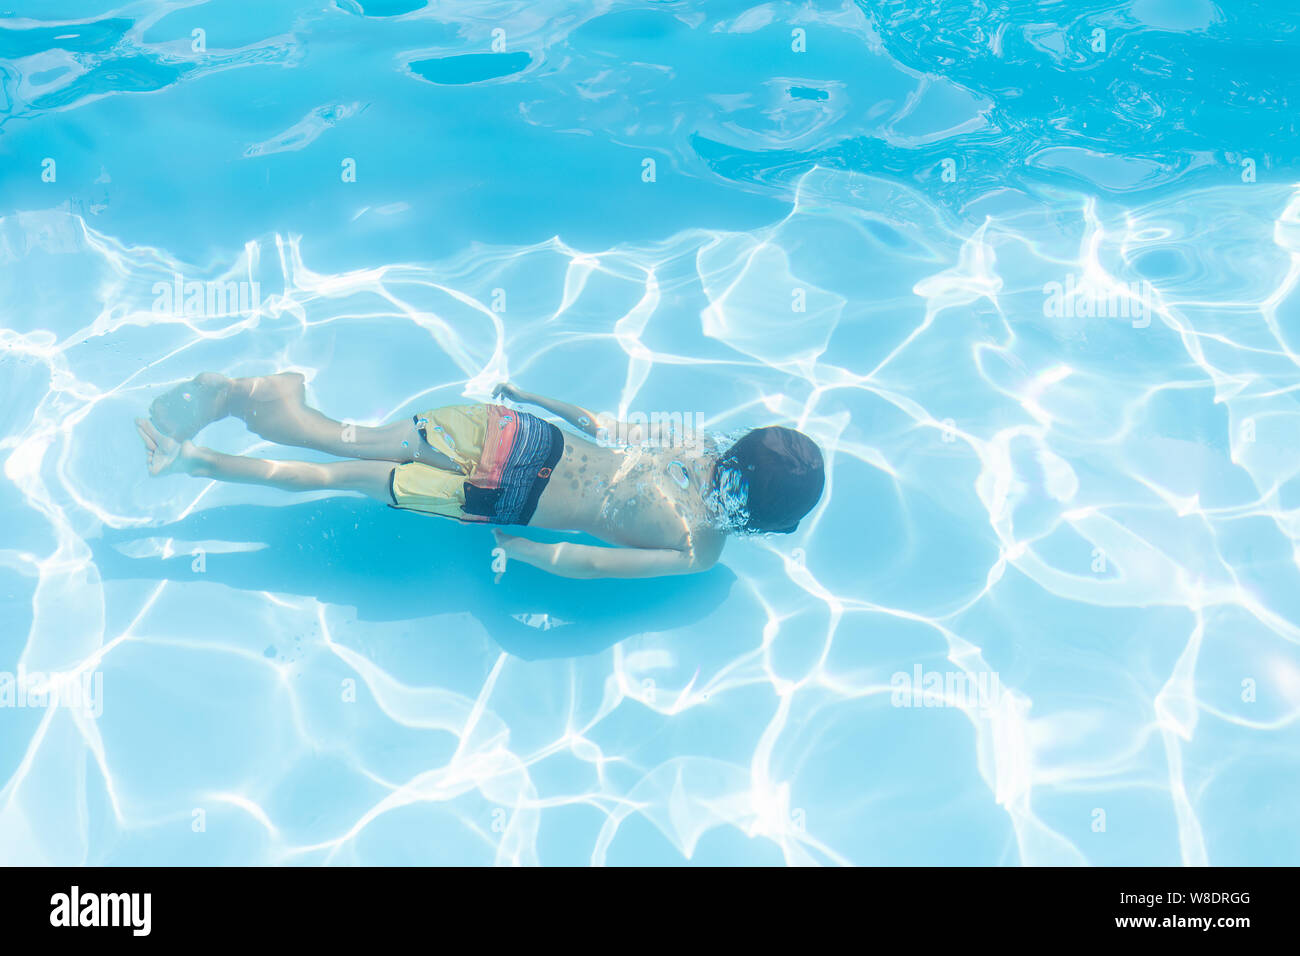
x=1099 y=510
x=1057 y=393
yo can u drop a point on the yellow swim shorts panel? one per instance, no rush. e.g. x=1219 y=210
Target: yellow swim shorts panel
x=458 y=432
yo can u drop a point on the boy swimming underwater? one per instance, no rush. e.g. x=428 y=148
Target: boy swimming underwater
x=667 y=507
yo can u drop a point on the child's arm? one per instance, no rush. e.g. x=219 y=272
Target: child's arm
x=577 y=416
x=583 y=419
x=569 y=560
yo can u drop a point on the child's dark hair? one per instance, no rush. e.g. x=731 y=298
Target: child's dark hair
x=782 y=473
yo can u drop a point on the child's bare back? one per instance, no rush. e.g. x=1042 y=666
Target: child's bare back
x=637 y=497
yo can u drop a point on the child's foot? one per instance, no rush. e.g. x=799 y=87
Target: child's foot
x=183 y=411
x=166 y=455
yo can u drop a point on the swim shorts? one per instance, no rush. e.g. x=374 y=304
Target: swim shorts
x=506 y=457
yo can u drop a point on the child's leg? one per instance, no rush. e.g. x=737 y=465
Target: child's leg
x=275 y=408
x=167 y=456
x=367 y=476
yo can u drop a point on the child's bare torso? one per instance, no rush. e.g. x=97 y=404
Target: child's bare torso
x=639 y=497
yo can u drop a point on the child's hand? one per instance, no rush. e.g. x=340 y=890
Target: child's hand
x=499 y=561
x=519 y=548
x=506 y=541
x=507 y=390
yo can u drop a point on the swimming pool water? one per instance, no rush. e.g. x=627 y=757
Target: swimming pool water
x=1026 y=271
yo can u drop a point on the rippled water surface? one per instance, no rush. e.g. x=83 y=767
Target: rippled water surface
x=1027 y=271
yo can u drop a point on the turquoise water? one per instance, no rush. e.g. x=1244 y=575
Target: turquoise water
x=1026 y=271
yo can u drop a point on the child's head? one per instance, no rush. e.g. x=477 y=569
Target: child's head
x=782 y=472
